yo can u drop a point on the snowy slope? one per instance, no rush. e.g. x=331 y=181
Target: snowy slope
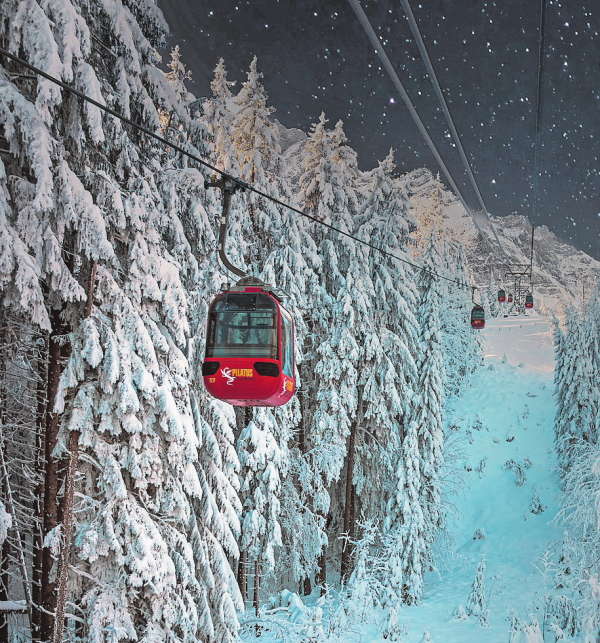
x=506 y=414
x=513 y=402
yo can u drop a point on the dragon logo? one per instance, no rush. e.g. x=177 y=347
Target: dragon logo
x=226 y=372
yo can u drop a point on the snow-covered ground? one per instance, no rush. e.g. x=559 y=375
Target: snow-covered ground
x=511 y=402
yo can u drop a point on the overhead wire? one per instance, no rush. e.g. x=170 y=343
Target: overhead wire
x=413 y=112
x=224 y=174
x=440 y=94
x=538 y=126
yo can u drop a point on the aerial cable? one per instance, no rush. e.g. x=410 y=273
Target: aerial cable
x=413 y=112
x=538 y=127
x=438 y=90
x=225 y=175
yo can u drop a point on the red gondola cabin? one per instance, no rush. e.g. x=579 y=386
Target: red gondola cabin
x=478 y=317
x=528 y=300
x=501 y=296
x=249 y=359
x=510 y=297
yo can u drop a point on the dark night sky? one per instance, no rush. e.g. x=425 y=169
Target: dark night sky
x=316 y=57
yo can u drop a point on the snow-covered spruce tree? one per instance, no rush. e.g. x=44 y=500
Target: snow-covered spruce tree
x=476 y=600
x=388 y=373
x=218 y=510
x=461 y=344
x=413 y=512
x=428 y=412
x=492 y=298
x=326 y=192
x=591 y=341
x=264 y=464
x=404 y=526
x=156 y=509
x=304 y=499
x=339 y=377
x=579 y=513
x=218 y=120
x=255 y=142
x=256 y=225
x=177 y=75
x=576 y=392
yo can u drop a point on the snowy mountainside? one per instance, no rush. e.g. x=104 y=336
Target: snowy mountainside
x=289 y=137
x=557 y=265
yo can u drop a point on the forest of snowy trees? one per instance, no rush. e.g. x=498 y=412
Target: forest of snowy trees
x=577 y=440
x=134 y=505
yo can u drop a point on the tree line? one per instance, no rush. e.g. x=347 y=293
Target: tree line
x=134 y=506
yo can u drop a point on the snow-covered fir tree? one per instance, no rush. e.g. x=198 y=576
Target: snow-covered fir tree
x=428 y=412
x=218 y=119
x=576 y=391
x=476 y=600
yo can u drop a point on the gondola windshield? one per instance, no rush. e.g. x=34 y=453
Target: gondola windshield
x=242 y=325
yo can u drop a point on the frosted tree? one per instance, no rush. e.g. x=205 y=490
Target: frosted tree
x=575 y=390
x=326 y=192
x=218 y=119
x=426 y=638
x=388 y=375
x=476 y=601
x=177 y=76
x=579 y=514
x=305 y=500
x=429 y=410
x=264 y=464
x=461 y=343
x=404 y=526
x=255 y=141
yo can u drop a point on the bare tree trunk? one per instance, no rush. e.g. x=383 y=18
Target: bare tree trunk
x=68 y=499
x=257 y=575
x=39 y=491
x=4 y=563
x=20 y=553
x=242 y=573
x=4 y=581
x=67 y=524
x=242 y=576
x=305 y=584
x=321 y=574
x=348 y=509
x=352 y=531
x=48 y=598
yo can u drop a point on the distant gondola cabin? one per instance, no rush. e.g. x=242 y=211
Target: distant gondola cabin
x=501 y=296
x=510 y=297
x=477 y=317
x=528 y=300
x=249 y=358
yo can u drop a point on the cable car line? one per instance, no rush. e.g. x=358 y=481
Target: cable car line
x=538 y=127
x=240 y=183
x=413 y=112
x=438 y=90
